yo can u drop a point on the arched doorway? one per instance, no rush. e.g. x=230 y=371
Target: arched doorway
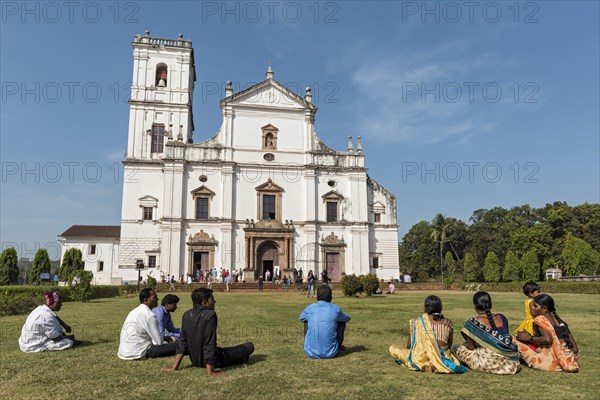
x=267 y=260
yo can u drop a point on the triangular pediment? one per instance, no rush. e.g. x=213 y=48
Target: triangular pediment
x=268 y=93
x=269 y=186
x=332 y=195
x=270 y=127
x=378 y=207
x=148 y=198
x=203 y=191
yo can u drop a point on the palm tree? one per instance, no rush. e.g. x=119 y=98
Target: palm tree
x=440 y=223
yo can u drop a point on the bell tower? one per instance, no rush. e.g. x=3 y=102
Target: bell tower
x=160 y=108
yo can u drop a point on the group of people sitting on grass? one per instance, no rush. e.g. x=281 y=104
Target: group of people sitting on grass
x=542 y=341
x=149 y=331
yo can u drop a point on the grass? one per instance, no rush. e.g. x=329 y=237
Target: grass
x=279 y=368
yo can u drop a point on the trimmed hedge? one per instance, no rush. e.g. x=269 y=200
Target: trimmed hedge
x=22 y=299
x=547 y=287
x=352 y=285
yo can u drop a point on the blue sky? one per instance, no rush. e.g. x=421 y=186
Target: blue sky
x=459 y=108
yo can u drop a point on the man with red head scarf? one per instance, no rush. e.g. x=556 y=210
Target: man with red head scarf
x=43 y=330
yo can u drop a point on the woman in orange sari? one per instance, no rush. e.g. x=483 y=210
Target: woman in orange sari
x=557 y=350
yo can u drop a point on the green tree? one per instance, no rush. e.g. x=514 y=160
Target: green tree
x=512 y=268
x=80 y=282
x=490 y=231
x=9 y=270
x=453 y=272
x=438 y=235
x=72 y=261
x=41 y=264
x=588 y=224
x=417 y=256
x=151 y=282
x=456 y=234
x=470 y=269
x=369 y=283
x=351 y=285
x=579 y=257
x=491 y=268
x=25 y=266
x=531 y=266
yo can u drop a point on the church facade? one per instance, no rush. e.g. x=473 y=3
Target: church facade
x=263 y=193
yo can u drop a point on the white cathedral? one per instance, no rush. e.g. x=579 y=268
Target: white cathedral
x=264 y=193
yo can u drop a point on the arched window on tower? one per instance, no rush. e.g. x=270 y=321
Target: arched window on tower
x=161 y=75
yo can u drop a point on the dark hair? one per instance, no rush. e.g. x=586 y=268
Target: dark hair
x=547 y=301
x=530 y=287
x=433 y=307
x=169 y=299
x=200 y=295
x=324 y=293
x=483 y=302
x=145 y=294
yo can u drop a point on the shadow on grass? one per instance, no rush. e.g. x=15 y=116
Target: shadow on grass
x=83 y=343
x=256 y=358
x=350 y=350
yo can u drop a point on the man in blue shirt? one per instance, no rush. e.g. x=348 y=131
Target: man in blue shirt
x=163 y=316
x=324 y=326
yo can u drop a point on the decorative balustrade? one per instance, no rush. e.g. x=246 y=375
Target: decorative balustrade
x=185 y=151
x=163 y=42
x=340 y=160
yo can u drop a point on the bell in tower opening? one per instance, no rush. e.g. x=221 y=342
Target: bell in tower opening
x=161 y=75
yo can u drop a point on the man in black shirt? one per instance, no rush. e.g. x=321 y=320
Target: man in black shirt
x=325 y=278
x=198 y=338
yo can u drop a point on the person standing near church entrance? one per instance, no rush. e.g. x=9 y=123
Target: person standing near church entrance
x=310 y=279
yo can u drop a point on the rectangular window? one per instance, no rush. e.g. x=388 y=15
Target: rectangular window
x=147 y=214
x=268 y=206
x=151 y=261
x=332 y=211
x=92 y=249
x=158 y=138
x=202 y=208
x=100 y=266
x=377 y=217
x=375 y=262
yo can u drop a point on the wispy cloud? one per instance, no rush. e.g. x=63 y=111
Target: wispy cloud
x=115 y=155
x=430 y=96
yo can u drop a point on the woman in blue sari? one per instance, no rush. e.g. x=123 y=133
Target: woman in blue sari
x=489 y=346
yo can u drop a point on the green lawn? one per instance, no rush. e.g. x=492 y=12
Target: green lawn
x=278 y=368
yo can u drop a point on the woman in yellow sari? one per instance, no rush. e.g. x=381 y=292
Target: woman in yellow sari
x=557 y=349
x=428 y=347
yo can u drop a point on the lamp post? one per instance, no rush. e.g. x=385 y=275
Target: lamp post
x=139 y=265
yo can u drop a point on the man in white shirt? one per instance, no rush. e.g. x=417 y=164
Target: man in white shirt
x=43 y=329
x=140 y=337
